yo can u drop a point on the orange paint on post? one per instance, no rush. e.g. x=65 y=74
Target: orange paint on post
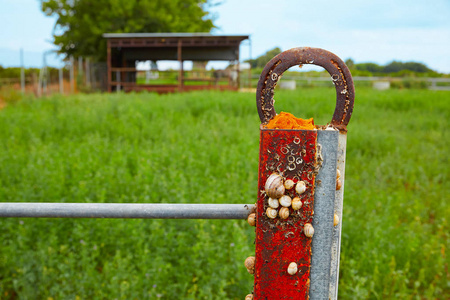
x=286 y=120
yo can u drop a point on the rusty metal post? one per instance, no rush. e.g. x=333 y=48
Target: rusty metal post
x=297 y=249
x=279 y=241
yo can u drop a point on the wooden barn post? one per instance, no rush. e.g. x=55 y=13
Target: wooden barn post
x=108 y=65
x=180 y=60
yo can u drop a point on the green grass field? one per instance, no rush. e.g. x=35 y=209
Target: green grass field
x=203 y=148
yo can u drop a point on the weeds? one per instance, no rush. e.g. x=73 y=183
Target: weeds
x=203 y=148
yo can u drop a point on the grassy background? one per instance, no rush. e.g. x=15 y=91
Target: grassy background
x=202 y=147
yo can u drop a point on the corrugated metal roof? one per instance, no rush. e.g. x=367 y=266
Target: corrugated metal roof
x=170 y=34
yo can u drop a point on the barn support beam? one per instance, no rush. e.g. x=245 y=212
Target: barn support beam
x=180 y=60
x=108 y=65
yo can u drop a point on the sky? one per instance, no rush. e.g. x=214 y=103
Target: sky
x=366 y=31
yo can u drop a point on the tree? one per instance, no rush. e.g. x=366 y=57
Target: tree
x=81 y=23
x=350 y=63
x=261 y=61
x=369 y=67
x=397 y=66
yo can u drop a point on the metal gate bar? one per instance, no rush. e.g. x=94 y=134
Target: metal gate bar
x=125 y=210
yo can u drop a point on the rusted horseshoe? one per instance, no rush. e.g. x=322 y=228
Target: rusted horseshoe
x=340 y=75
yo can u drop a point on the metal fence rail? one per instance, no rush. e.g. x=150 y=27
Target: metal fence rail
x=125 y=210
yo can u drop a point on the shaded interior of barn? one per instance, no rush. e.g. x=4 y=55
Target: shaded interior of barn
x=124 y=50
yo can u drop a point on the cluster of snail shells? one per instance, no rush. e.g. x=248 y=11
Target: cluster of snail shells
x=275 y=188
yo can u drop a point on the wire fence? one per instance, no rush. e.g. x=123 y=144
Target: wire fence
x=77 y=75
x=293 y=82
x=82 y=75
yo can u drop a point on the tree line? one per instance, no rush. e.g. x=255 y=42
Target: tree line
x=394 y=68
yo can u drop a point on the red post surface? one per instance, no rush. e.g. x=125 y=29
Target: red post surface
x=279 y=242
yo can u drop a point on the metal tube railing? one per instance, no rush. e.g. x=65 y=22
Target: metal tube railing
x=125 y=210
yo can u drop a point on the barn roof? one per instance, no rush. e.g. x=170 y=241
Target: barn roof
x=171 y=35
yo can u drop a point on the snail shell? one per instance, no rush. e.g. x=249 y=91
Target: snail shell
x=289 y=184
x=292 y=268
x=284 y=212
x=300 y=188
x=308 y=230
x=274 y=186
x=271 y=213
x=250 y=264
x=273 y=203
x=296 y=203
x=335 y=220
x=249 y=297
x=251 y=219
x=338 y=174
x=338 y=184
x=285 y=201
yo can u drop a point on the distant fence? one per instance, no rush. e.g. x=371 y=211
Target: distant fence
x=394 y=82
x=76 y=76
x=84 y=76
